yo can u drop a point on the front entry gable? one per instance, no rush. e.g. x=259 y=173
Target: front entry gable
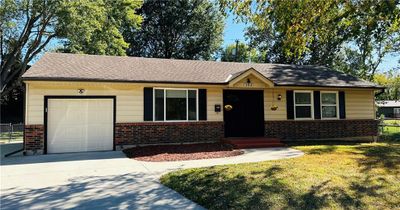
x=249 y=78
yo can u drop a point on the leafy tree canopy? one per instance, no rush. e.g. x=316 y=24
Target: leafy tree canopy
x=187 y=29
x=351 y=36
x=240 y=52
x=86 y=26
x=391 y=80
x=95 y=27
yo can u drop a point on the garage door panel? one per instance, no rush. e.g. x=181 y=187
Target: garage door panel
x=98 y=131
x=78 y=125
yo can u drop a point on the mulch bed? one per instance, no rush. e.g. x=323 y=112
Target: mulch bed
x=181 y=152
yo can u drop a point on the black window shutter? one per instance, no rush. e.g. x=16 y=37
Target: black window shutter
x=289 y=104
x=148 y=104
x=342 y=105
x=202 y=104
x=317 y=105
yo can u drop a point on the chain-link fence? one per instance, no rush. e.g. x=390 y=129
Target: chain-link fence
x=11 y=133
x=389 y=130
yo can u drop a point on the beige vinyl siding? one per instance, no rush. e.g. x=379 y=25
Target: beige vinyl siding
x=214 y=96
x=129 y=98
x=360 y=104
x=255 y=83
x=271 y=98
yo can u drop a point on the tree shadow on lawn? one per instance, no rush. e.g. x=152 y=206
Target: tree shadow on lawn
x=126 y=191
x=321 y=147
x=322 y=150
x=215 y=189
x=322 y=142
x=372 y=181
x=385 y=156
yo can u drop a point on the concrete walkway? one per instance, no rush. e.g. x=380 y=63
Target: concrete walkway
x=100 y=180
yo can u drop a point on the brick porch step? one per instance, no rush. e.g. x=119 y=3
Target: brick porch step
x=253 y=142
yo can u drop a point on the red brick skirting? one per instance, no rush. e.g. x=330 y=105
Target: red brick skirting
x=196 y=132
x=168 y=132
x=318 y=129
x=34 y=139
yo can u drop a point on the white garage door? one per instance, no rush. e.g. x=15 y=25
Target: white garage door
x=79 y=125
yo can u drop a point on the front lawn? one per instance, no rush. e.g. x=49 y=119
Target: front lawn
x=363 y=176
x=392 y=122
x=391 y=131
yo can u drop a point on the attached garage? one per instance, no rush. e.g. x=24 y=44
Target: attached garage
x=79 y=124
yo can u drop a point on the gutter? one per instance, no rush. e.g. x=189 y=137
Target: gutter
x=116 y=81
x=180 y=82
x=382 y=90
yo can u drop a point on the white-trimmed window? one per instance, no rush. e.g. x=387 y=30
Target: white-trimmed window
x=303 y=105
x=172 y=104
x=329 y=105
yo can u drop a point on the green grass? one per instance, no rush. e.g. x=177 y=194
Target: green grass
x=363 y=176
x=15 y=137
x=392 y=122
x=391 y=132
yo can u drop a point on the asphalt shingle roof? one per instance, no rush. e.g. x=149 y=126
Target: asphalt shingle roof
x=78 y=67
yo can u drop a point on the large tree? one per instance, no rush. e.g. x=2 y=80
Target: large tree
x=85 y=26
x=374 y=33
x=189 y=29
x=352 y=36
x=95 y=27
x=240 y=52
x=391 y=80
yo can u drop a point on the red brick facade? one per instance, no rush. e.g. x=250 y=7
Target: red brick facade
x=194 y=132
x=168 y=132
x=34 y=139
x=319 y=129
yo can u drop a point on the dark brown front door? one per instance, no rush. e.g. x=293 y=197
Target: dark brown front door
x=243 y=113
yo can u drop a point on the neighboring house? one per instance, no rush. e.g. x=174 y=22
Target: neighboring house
x=390 y=109
x=89 y=103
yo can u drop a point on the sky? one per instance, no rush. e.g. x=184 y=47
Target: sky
x=234 y=30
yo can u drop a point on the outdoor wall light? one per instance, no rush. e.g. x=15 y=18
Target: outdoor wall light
x=81 y=91
x=248 y=83
x=279 y=97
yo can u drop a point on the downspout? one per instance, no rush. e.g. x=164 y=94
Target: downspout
x=382 y=90
x=25 y=113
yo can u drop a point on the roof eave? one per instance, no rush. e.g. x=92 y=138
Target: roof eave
x=117 y=81
x=331 y=86
x=179 y=82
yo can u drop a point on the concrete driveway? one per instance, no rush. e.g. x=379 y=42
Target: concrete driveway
x=97 y=180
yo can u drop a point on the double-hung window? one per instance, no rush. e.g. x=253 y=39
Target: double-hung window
x=303 y=105
x=175 y=104
x=329 y=105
